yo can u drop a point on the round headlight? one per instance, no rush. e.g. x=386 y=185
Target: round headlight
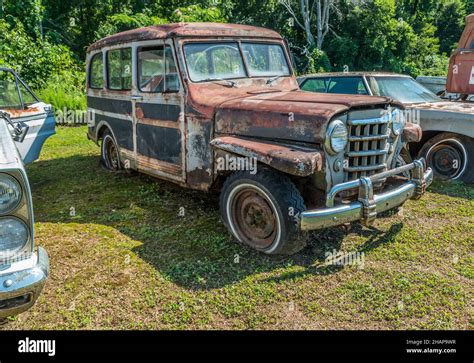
x=13 y=236
x=10 y=193
x=336 y=137
x=398 y=122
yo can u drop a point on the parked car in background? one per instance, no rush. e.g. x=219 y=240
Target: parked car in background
x=461 y=64
x=437 y=85
x=448 y=127
x=23 y=271
x=19 y=101
x=178 y=101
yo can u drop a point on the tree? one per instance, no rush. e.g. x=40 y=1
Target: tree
x=30 y=12
x=35 y=60
x=304 y=16
x=450 y=24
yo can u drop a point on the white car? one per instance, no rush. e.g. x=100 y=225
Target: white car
x=23 y=270
x=22 y=105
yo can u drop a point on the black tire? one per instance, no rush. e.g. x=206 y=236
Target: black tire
x=269 y=206
x=451 y=156
x=110 y=155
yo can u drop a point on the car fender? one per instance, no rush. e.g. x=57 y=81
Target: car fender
x=289 y=159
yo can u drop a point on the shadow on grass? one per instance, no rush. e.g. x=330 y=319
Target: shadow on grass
x=375 y=238
x=453 y=189
x=194 y=251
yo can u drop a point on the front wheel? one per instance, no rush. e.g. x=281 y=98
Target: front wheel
x=262 y=211
x=451 y=156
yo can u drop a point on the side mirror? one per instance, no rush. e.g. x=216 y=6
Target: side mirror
x=20 y=129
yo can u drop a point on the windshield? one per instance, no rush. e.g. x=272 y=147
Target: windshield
x=403 y=89
x=223 y=60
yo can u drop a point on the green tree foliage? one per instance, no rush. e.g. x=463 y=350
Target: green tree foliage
x=122 y=22
x=372 y=37
x=35 y=60
x=449 y=24
x=46 y=40
x=29 y=12
x=318 y=61
x=195 y=13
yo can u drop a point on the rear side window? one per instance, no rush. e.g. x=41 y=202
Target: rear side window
x=315 y=85
x=119 y=69
x=96 y=70
x=157 y=72
x=347 y=85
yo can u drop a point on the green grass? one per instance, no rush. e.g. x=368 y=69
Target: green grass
x=126 y=260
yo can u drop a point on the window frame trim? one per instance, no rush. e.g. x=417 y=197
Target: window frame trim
x=244 y=61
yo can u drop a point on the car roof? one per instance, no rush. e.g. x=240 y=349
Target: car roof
x=186 y=30
x=353 y=74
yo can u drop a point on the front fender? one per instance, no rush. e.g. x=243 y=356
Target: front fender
x=289 y=159
x=461 y=123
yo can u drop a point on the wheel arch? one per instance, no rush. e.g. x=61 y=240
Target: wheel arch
x=102 y=126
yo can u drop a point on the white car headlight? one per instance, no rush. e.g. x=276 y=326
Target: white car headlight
x=14 y=235
x=398 y=122
x=10 y=193
x=336 y=137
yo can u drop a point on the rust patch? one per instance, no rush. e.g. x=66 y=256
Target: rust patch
x=412 y=133
x=15 y=113
x=288 y=159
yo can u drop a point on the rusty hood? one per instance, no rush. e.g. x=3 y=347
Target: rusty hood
x=288 y=115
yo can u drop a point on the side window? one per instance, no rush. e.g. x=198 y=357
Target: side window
x=96 y=72
x=119 y=69
x=315 y=85
x=157 y=72
x=347 y=85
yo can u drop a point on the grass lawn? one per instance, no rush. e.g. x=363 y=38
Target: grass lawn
x=123 y=258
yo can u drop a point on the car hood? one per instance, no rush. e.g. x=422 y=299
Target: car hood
x=290 y=115
x=448 y=106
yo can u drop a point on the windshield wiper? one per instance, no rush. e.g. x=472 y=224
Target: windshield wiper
x=273 y=79
x=216 y=80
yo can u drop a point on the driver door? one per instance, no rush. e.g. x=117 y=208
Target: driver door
x=158 y=108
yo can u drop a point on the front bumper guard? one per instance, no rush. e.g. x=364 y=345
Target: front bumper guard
x=22 y=283
x=368 y=204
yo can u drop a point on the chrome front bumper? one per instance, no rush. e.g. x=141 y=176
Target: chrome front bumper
x=22 y=283
x=368 y=204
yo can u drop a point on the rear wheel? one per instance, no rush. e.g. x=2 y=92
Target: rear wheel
x=451 y=156
x=110 y=157
x=261 y=211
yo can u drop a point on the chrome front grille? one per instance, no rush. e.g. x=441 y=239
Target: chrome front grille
x=367 y=149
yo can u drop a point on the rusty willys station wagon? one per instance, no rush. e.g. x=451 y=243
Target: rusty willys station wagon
x=175 y=101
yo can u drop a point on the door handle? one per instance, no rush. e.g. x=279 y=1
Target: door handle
x=137 y=98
